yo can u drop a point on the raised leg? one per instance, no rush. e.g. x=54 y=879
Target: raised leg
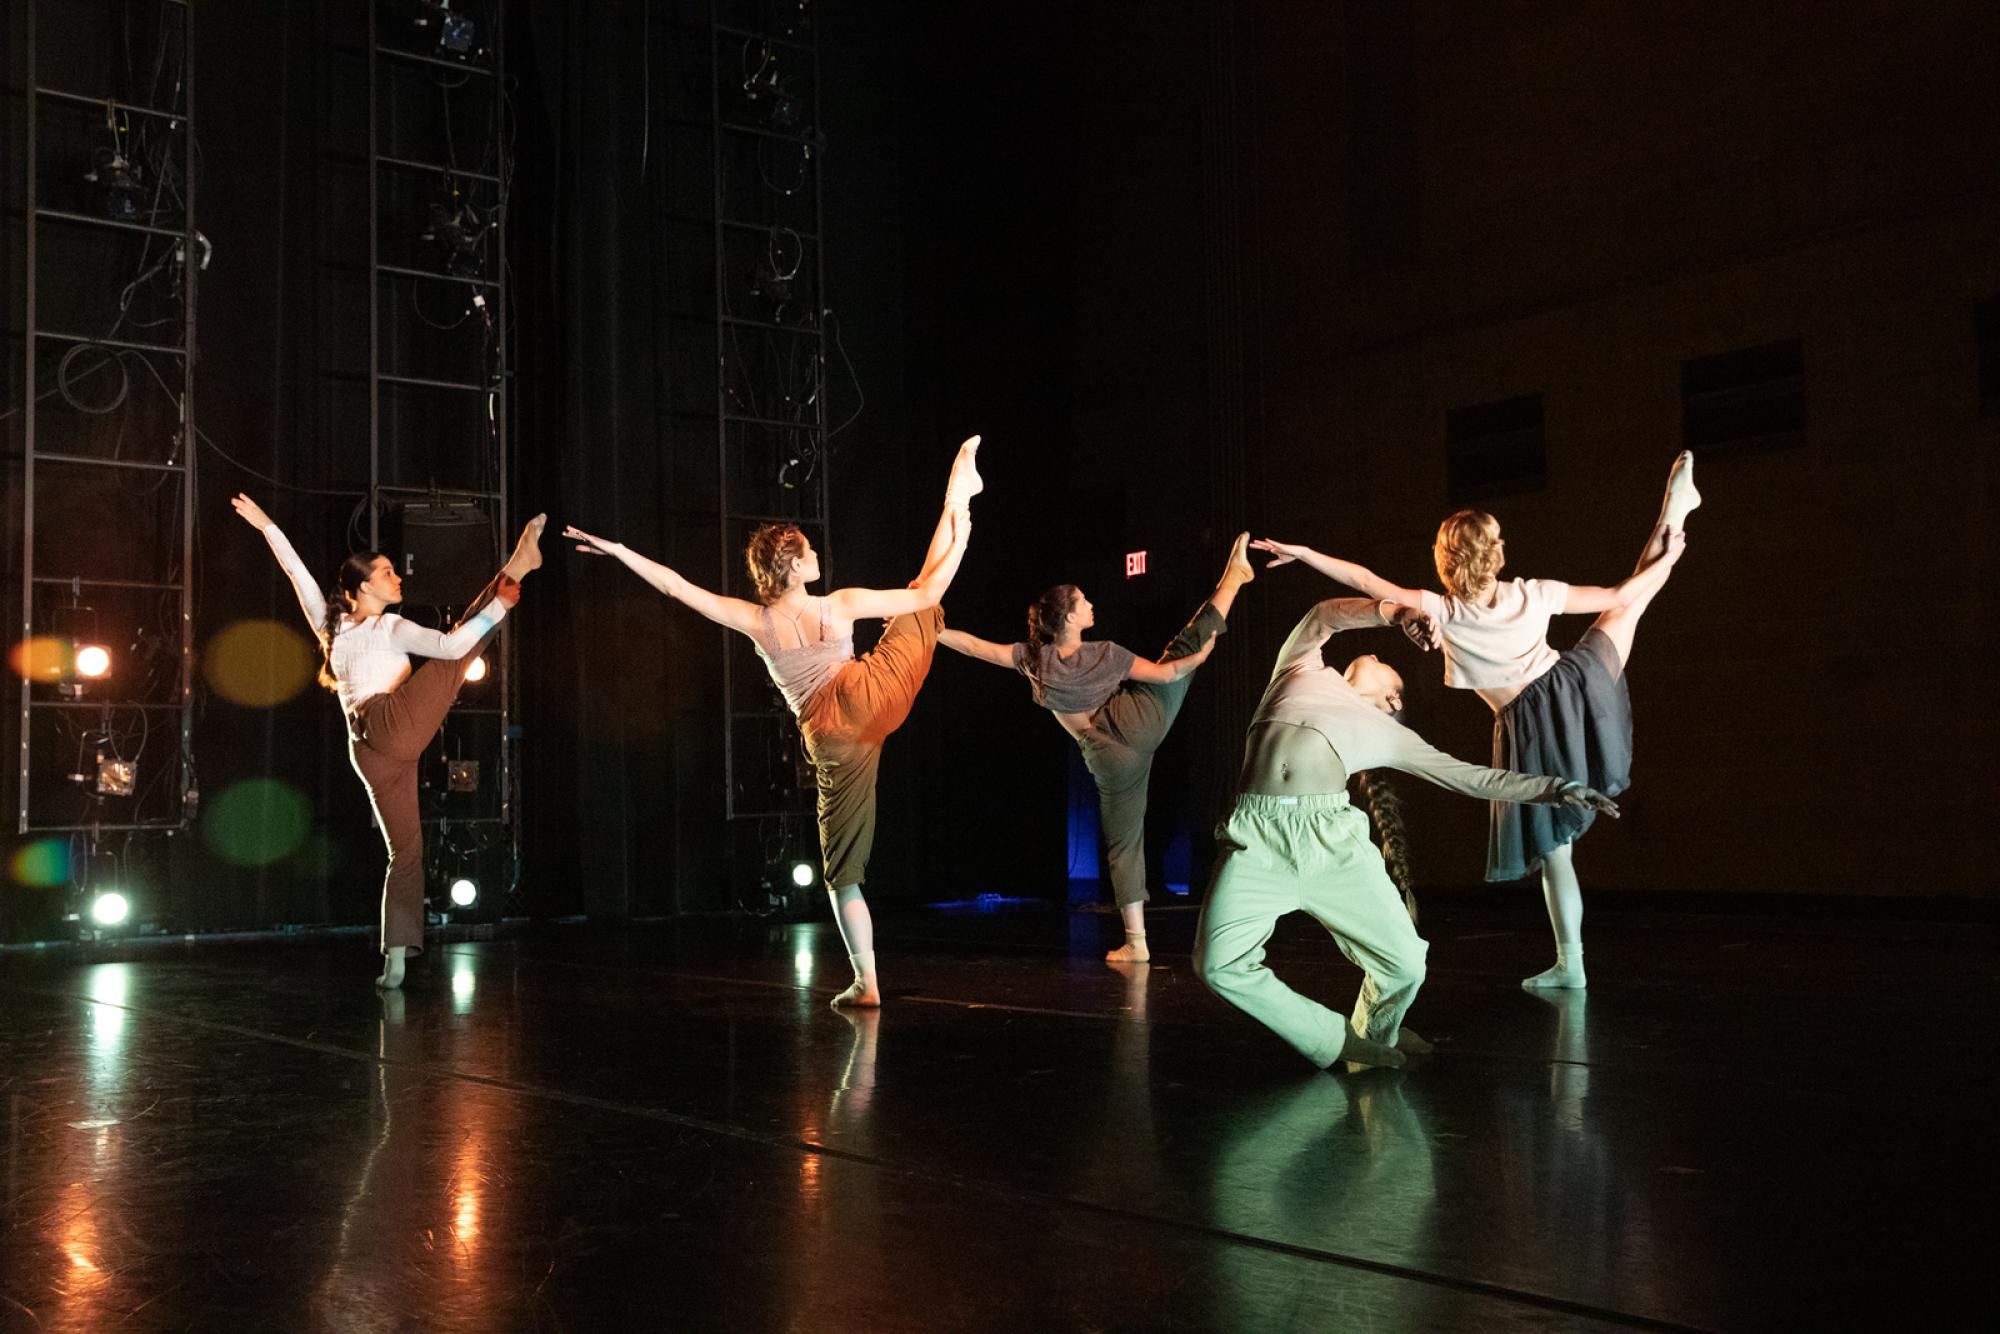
x=1235 y=573
x=965 y=483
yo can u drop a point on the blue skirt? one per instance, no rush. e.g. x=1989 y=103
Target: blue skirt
x=1573 y=721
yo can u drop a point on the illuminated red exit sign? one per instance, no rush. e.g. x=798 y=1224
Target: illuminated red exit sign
x=1135 y=564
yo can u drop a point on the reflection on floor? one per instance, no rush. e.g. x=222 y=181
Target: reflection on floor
x=1745 y=1124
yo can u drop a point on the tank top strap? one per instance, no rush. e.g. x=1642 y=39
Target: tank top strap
x=825 y=627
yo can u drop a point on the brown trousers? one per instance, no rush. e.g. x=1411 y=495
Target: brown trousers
x=386 y=738
x=844 y=727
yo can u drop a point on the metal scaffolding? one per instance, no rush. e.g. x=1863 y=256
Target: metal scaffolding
x=50 y=682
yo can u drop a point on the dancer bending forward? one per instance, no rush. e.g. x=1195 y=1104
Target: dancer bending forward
x=846 y=706
x=392 y=712
x=1554 y=713
x=1118 y=707
x=1293 y=843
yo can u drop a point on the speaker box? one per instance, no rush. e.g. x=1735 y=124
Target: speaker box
x=445 y=553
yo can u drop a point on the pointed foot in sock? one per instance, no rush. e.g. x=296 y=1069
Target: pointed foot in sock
x=858 y=996
x=965 y=479
x=1361 y=1051
x=1410 y=1044
x=528 y=551
x=1562 y=977
x=1131 y=952
x=1239 y=570
x=389 y=981
x=1682 y=498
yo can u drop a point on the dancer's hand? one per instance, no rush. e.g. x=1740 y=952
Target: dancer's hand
x=587 y=544
x=1419 y=626
x=1580 y=798
x=1182 y=666
x=1282 y=553
x=253 y=513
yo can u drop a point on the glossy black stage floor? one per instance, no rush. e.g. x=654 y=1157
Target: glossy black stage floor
x=1745 y=1124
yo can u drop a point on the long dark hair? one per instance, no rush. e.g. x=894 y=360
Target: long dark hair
x=347 y=581
x=1385 y=811
x=1046 y=615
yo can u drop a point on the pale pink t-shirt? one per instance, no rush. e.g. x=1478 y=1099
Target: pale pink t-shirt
x=1506 y=644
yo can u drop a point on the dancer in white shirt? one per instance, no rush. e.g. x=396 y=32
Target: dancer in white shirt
x=1554 y=713
x=392 y=712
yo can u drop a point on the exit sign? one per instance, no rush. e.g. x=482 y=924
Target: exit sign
x=1135 y=564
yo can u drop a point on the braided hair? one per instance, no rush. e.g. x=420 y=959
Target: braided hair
x=1046 y=615
x=354 y=572
x=770 y=554
x=1385 y=812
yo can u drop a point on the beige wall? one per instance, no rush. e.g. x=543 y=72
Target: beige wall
x=1605 y=191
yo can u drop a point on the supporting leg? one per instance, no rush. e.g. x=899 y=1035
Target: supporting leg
x=392 y=788
x=857 y=931
x=1565 y=902
x=1133 y=916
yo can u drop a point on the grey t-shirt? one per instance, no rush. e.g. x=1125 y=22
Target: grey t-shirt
x=1079 y=683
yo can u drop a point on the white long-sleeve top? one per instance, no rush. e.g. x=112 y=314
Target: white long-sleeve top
x=371 y=655
x=1306 y=692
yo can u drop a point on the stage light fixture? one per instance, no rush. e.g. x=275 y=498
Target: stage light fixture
x=110 y=908
x=117 y=778
x=461 y=775
x=802 y=874
x=93 y=661
x=464 y=892
x=476 y=672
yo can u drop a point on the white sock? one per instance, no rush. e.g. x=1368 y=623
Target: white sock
x=392 y=967
x=1566 y=975
x=1681 y=495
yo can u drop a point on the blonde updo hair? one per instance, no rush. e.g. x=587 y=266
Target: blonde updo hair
x=770 y=554
x=1468 y=553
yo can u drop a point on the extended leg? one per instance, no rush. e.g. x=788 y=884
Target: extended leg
x=1680 y=500
x=954 y=523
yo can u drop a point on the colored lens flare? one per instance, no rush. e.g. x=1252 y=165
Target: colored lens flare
x=39 y=659
x=257 y=822
x=259 y=664
x=42 y=864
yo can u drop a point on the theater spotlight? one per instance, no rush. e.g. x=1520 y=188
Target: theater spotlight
x=477 y=671
x=93 y=661
x=802 y=874
x=110 y=908
x=464 y=892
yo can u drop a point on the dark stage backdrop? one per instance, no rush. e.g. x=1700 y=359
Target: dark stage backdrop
x=1191 y=268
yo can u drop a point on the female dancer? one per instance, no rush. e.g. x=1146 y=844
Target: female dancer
x=1294 y=842
x=1118 y=708
x=846 y=706
x=392 y=712
x=1565 y=713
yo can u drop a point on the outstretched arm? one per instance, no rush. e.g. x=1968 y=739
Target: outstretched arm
x=1637 y=587
x=734 y=613
x=867 y=604
x=424 y=642
x=972 y=646
x=1159 y=673
x=1357 y=577
x=1407 y=751
x=311 y=601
